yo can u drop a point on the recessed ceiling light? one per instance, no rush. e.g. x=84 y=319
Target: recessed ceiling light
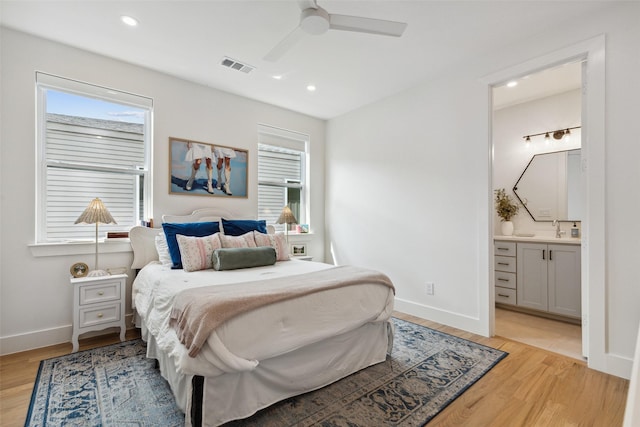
x=512 y=83
x=277 y=76
x=311 y=88
x=129 y=20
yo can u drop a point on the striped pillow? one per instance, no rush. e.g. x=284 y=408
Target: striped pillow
x=276 y=241
x=196 y=252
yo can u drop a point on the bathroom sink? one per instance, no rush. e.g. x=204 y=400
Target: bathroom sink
x=524 y=234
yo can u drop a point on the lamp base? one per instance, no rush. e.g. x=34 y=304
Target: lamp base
x=97 y=273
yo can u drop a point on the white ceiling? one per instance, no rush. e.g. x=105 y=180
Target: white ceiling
x=189 y=39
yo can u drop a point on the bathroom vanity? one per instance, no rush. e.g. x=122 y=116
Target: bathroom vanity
x=539 y=275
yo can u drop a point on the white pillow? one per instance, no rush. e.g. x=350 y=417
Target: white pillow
x=196 y=252
x=276 y=241
x=244 y=241
x=163 y=250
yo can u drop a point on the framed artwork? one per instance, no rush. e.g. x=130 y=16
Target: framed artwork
x=298 y=249
x=204 y=169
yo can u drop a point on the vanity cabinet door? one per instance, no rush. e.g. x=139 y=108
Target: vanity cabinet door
x=532 y=275
x=564 y=280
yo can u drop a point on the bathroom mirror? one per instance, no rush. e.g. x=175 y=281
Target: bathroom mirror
x=549 y=187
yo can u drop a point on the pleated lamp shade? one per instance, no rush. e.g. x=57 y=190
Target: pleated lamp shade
x=286 y=217
x=96 y=213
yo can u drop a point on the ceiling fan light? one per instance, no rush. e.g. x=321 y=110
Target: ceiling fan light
x=314 y=21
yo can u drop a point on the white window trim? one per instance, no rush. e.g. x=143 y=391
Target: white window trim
x=48 y=81
x=285 y=138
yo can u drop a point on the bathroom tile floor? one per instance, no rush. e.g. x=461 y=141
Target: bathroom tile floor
x=558 y=337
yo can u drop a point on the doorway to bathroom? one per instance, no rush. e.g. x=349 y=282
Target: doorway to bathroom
x=592 y=169
x=537 y=142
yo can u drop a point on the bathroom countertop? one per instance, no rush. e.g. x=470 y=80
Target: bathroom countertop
x=564 y=240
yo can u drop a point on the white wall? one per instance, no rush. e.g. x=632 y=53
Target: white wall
x=408 y=183
x=511 y=155
x=34 y=291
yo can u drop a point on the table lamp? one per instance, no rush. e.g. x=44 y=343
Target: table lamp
x=286 y=217
x=96 y=213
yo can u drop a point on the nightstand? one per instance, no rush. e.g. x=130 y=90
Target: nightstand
x=98 y=303
x=303 y=258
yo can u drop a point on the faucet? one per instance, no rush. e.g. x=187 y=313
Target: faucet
x=556 y=224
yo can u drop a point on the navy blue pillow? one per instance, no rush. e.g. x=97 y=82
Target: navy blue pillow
x=195 y=229
x=238 y=227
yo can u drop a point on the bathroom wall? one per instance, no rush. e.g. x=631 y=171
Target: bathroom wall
x=511 y=154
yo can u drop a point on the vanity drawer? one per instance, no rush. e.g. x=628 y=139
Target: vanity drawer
x=96 y=315
x=505 y=263
x=90 y=294
x=505 y=295
x=505 y=280
x=504 y=248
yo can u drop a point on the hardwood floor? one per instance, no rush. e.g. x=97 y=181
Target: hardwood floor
x=530 y=387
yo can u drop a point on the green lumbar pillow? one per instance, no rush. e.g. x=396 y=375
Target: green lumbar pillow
x=234 y=258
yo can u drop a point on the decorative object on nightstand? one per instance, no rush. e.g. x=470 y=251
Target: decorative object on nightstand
x=96 y=213
x=286 y=217
x=98 y=303
x=79 y=269
x=298 y=249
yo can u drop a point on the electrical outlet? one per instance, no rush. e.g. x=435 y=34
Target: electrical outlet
x=430 y=288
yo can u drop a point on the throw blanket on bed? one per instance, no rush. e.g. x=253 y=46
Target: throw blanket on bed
x=197 y=312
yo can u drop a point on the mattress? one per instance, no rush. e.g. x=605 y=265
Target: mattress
x=241 y=343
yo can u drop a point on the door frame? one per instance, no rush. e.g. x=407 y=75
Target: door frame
x=592 y=51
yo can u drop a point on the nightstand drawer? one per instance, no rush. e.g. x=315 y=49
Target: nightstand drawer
x=505 y=280
x=96 y=315
x=505 y=295
x=504 y=248
x=505 y=263
x=91 y=294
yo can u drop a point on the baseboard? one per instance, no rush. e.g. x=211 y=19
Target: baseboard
x=449 y=318
x=47 y=337
x=618 y=365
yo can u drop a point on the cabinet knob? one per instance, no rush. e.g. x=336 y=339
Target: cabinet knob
x=100 y=315
x=101 y=293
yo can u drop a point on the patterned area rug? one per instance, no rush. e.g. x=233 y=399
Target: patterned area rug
x=117 y=386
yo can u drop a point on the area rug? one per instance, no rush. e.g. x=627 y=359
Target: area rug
x=117 y=386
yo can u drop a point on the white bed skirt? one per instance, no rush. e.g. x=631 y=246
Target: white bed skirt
x=238 y=395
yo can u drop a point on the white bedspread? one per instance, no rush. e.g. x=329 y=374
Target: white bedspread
x=241 y=343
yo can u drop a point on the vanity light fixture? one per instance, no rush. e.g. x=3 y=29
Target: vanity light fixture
x=557 y=134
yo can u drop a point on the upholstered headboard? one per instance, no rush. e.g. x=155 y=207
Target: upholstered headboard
x=143 y=239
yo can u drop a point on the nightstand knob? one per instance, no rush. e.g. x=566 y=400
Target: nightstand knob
x=101 y=293
x=100 y=315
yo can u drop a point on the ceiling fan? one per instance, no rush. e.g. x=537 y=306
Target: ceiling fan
x=315 y=20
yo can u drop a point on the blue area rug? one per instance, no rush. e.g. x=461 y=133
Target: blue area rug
x=108 y=386
x=117 y=386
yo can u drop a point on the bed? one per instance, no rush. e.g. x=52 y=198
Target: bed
x=265 y=353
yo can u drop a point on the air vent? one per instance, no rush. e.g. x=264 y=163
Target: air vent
x=237 y=65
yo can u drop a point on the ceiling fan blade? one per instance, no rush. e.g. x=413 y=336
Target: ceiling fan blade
x=366 y=25
x=287 y=43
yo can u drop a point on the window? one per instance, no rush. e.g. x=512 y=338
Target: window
x=92 y=142
x=282 y=172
